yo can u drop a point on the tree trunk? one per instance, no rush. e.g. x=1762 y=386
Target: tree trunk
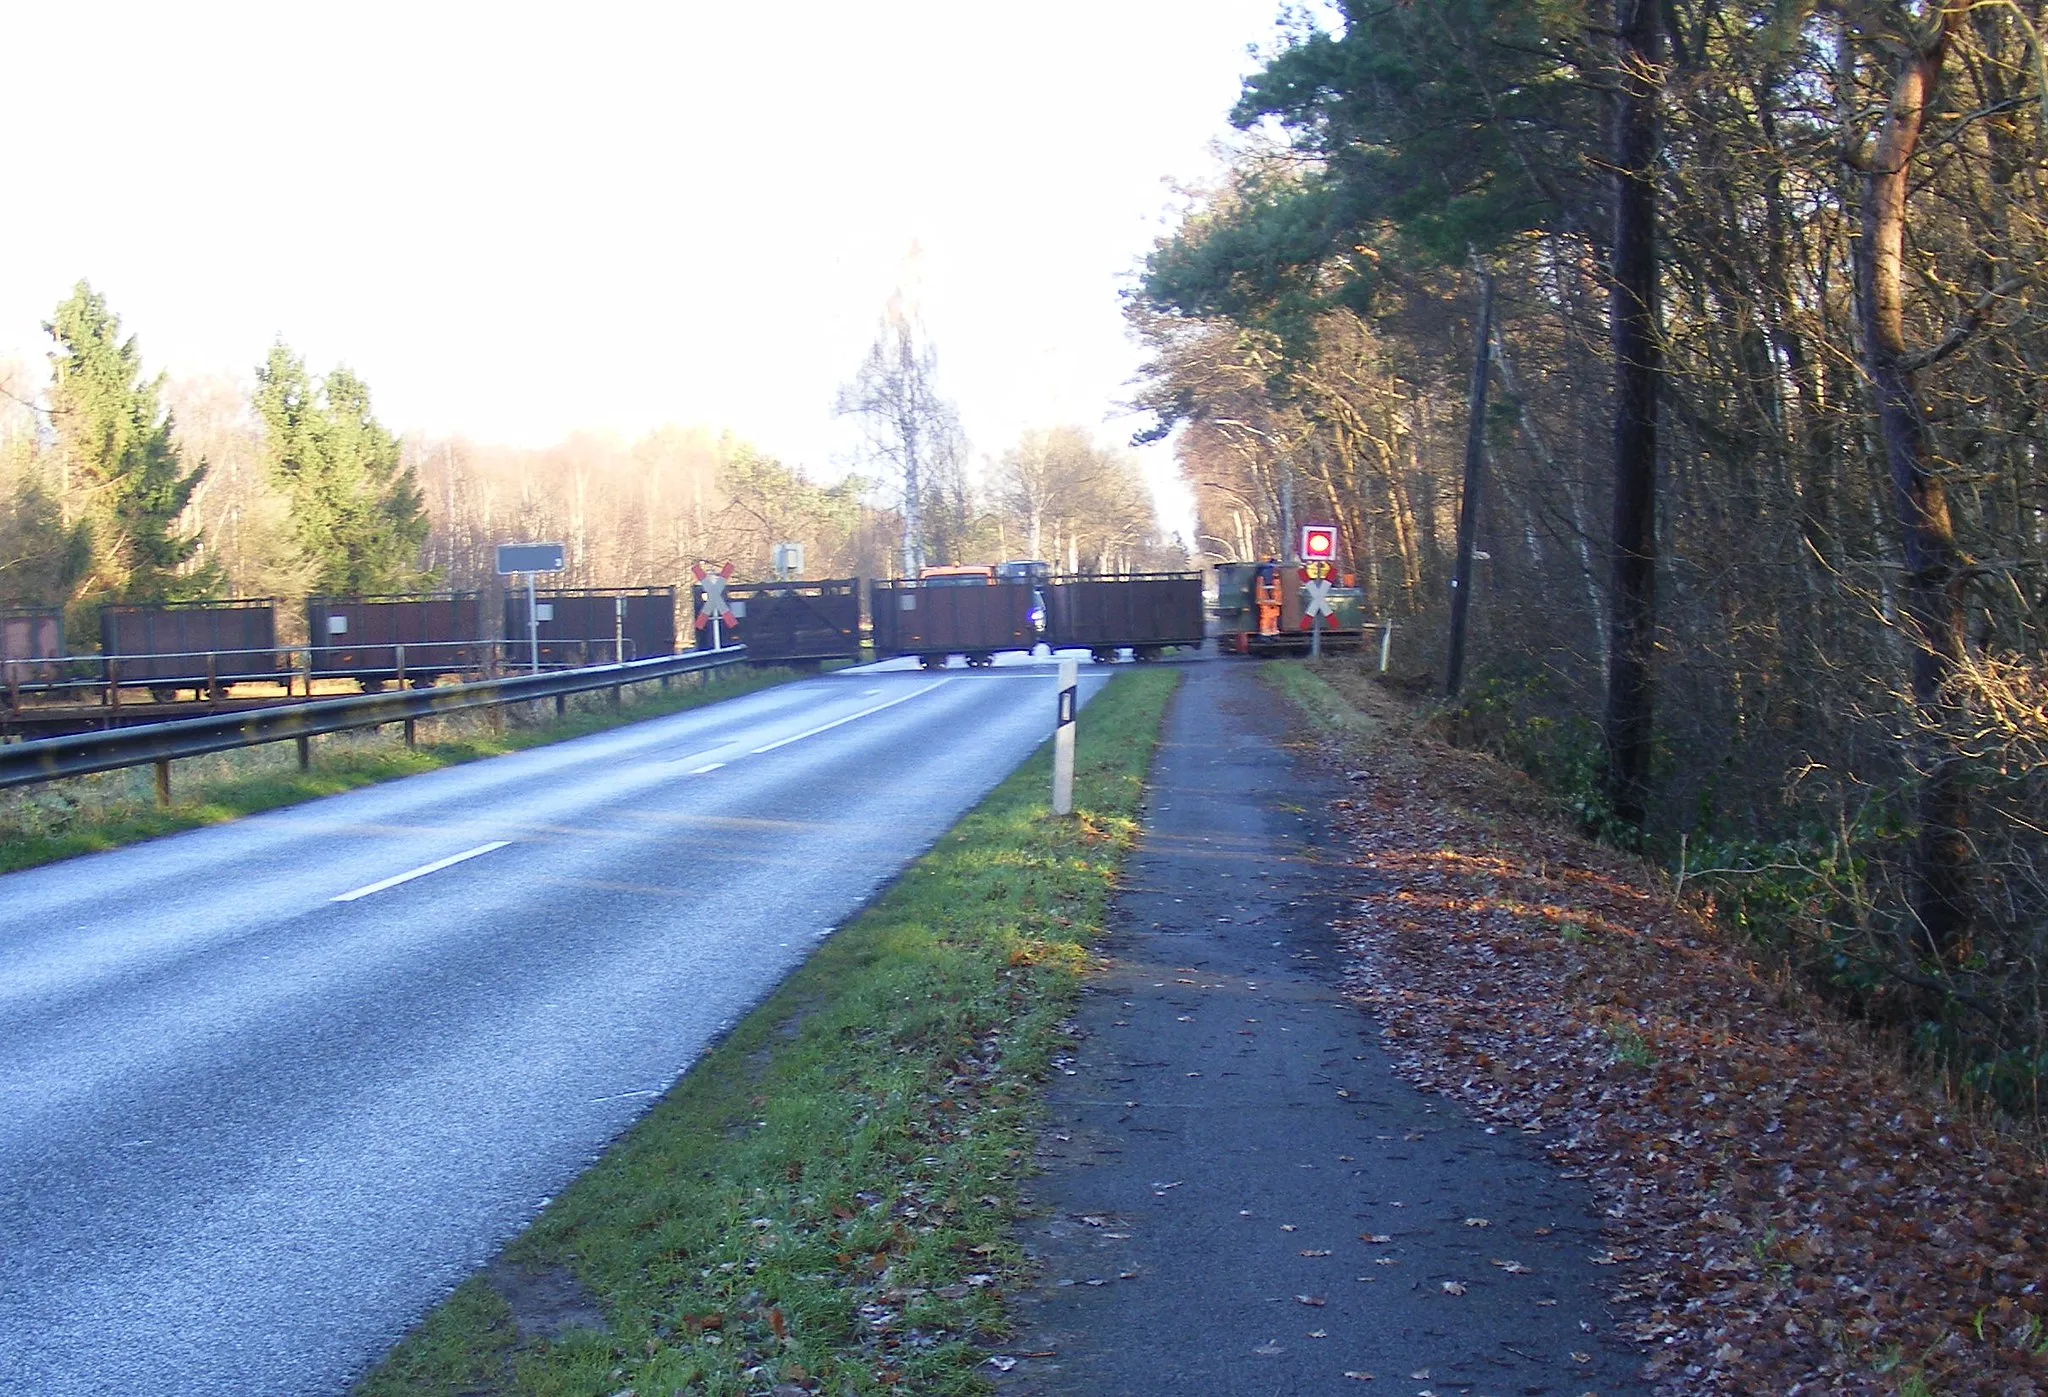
x=1633 y=333
x=1932 y=585
x=1468 y=503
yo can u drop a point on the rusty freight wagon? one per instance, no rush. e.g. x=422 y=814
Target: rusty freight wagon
x=942 y=616
x=1144 y=613
x=31 y=646
x=801 y=623
x=590 y=626
x=197 y=645
x=395 y=639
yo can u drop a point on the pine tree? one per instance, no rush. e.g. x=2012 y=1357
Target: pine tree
x=41 y=557
x=119 y=470
x=357 y=514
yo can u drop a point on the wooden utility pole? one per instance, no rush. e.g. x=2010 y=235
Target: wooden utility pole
x=1468 y=502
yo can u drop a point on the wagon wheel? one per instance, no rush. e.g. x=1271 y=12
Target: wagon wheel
x=369 y=685
x=1102 y=656
x=931 y=661
x=162 y=694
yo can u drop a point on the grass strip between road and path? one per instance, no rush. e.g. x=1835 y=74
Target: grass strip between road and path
x=825 y=1203
x=89 y=814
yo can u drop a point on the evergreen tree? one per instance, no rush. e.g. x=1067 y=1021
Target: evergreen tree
x=41 y=557
x=358 y=518
x=119 y=470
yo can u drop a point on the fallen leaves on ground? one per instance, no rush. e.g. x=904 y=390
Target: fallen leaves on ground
x=1788 y=1212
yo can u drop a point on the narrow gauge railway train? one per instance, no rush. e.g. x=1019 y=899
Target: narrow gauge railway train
x=203 y=648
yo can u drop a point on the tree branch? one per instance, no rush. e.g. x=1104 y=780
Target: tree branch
x=1972 y=321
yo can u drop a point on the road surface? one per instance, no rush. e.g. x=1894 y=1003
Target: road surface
x=269 y=1090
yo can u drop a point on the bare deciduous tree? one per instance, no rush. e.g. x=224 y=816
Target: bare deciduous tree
x=909 y=428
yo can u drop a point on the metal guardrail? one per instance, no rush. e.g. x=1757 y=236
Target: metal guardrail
x=27 y=763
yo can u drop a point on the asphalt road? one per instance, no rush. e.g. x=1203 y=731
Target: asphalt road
x=269 y=1090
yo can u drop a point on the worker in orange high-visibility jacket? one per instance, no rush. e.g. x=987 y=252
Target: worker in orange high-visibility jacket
x=1266 y=595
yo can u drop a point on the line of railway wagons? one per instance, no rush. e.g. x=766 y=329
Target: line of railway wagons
x=380 y=641
x=971 y=615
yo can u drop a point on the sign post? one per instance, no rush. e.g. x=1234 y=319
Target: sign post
x=1318 y=561
x=1063 y=740
x=1316 y=604
x=530 y=558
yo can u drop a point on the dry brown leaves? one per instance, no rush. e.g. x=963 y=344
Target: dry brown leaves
x=1788 y=1213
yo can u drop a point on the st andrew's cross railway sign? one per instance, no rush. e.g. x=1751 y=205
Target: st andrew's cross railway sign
x=715 y=611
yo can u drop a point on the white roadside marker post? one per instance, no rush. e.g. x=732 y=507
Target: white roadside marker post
x=1063 y=740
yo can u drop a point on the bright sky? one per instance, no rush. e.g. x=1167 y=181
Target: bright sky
x=515 y=221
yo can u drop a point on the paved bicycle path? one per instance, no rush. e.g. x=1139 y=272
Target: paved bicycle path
x=1240 y=1196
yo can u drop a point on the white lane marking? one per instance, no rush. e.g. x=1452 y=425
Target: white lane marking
x=422 y=871
x=702 y=770
x=841 y=722
x=694 y=756
x=1036 y=672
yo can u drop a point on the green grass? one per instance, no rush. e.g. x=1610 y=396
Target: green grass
x=1303 y=684
x=1629 y=1048
x=87 y=814
x=827 y=1199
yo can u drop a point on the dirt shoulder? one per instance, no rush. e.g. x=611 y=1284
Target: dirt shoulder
x=1788 y=1213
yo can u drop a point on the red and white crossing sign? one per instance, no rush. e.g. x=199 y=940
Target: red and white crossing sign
x=715 y=610
x=1318 y=543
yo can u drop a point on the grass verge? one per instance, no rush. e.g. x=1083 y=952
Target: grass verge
x=1303 y=683
x=88 y=814
x=825 y=1202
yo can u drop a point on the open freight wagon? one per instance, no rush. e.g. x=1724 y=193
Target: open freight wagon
x=31 y=646
x=940 y=617
x=791 y=623
x=590 y=626
x=197 y=645
x=1144 y=613
x=396 y=639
